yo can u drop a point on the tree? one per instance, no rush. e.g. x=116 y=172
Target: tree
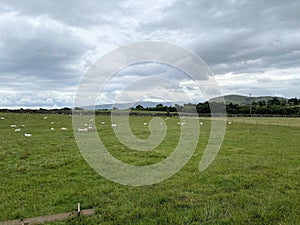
x=262 y=103
x=274 y=101
x=293 y=101
x=139 y=107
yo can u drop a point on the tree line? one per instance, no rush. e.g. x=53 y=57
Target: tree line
x=65 y=110
x=273 y=106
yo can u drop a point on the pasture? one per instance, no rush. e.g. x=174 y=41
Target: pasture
x=255 y=178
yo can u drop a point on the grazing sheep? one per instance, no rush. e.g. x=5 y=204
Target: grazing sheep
x=201 y=123
x=102 y=123
x=145 y=124
x=45 y=117
x=229 y=122
x=51 y=128
x=2 y=118
x=80 y=130
x=13 y=125
x=52 y=122
x=27 y=135
x=64 y=128
x=22 y=125
x=113 y=125
x=18 y=130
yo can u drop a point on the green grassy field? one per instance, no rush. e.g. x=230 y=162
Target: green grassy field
x=255 y=179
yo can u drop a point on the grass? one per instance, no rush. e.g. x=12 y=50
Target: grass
x=255 y=179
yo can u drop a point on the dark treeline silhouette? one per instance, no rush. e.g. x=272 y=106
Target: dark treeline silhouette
x=274 y=106
x=64 y=110
x=271 y=107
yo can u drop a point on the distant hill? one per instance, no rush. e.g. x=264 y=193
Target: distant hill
x=122 y=106
x=235 y=99
x=243 y=100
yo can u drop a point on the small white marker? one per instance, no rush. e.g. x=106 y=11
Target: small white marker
x=78 y=208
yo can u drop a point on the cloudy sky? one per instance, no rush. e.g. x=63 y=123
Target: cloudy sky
x=46 y=47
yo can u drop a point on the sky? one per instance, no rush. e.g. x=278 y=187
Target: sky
x=46 y=47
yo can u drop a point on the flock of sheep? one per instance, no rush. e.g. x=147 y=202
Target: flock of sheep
x=87 y=126
x=19 y=128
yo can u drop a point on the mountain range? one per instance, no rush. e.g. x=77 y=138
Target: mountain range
x=243 y=100
x=122 y=106
x=234 y=99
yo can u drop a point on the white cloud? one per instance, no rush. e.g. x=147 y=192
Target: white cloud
x=284 y=83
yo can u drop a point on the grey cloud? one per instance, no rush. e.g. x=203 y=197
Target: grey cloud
x=233 y=32
x=47 y=45
x=38 y=50
x=75 y=13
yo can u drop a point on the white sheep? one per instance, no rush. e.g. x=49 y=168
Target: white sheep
x=27 y=135
x=113 y=125
x=2 y=118
x=13 y=125
x=145 y=124
x=52 y=128
x=45 y=117
x=18 y=130
x=201 y=123
x=102 y=123
x=229 y=122
x=64 y=128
